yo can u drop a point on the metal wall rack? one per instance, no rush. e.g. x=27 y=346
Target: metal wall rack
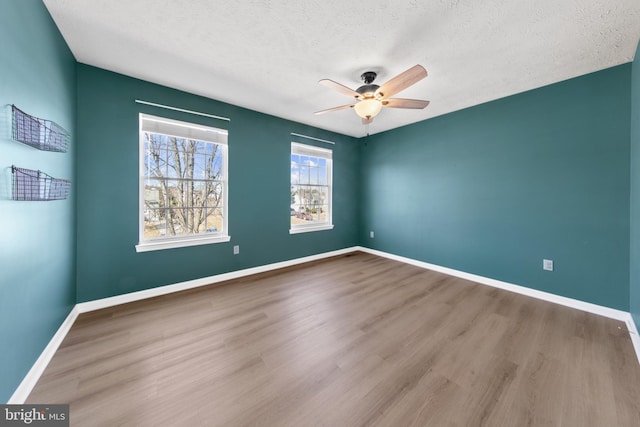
x=38 y=133
x=35 y=185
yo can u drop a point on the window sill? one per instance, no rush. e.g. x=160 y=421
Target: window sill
x=308 y=229
x=170 y=244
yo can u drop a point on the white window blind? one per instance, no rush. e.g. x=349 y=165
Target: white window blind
x=182 y=130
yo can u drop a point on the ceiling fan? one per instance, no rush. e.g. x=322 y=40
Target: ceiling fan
x=370 y=98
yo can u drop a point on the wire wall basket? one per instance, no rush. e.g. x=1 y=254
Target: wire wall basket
x=36 y=185
x=39 y=133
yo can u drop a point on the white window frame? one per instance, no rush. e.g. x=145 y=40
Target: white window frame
x=165 y=126
x=327 y=154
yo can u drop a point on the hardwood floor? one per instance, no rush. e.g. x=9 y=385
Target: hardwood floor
x=356 y=340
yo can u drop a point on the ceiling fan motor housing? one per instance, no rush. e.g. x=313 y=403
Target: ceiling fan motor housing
x=368 y=89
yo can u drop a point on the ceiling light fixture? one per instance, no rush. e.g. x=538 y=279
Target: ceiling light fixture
x=368 y=108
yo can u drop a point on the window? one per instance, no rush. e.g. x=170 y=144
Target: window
x=183 y=184
x=311 y=172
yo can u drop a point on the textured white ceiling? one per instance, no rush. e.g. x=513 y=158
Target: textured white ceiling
x=268 y=55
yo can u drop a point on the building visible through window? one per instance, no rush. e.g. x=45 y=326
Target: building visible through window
x=311 y=175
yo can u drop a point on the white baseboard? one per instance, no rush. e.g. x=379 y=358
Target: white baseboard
x=98 y=304
x=546 y=296
x=32 y=377
x=633 y=333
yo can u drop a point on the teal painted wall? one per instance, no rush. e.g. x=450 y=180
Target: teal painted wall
x=494 y=189
x=634 y=296
x=37 y=239
x=259 y=189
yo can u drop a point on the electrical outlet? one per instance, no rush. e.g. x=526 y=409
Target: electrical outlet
x=371 y=234
x=236 y=249
x=547 y=264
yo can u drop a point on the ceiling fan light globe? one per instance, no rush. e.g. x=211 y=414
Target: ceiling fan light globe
x=368 y=108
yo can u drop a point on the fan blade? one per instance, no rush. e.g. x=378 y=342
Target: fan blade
x=367 y=121
x=402 y=81
x=417 y=104
x=329 y=110
x=340 y=88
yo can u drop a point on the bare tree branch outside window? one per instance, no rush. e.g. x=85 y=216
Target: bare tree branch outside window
x=183 y=186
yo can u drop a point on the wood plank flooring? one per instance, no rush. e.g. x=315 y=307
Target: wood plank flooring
x=356 y=340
